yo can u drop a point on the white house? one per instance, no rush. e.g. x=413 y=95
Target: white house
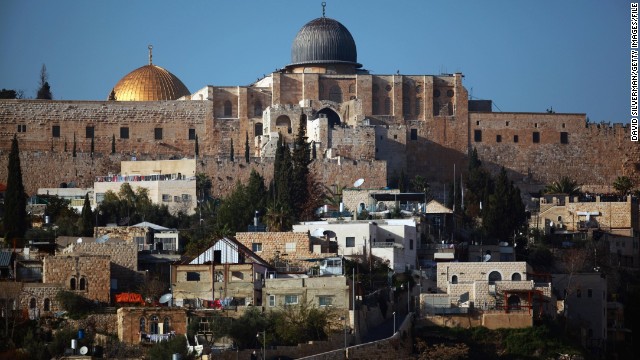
x=392 y=239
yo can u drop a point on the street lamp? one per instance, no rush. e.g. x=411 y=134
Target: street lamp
x=264 y=343
x=344 y=328
x=408 y=296
x=394 y=323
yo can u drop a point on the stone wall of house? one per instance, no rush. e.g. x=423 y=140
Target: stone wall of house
x=468 y=272
x=123 y=257
x=100 y=323
x=286 y=246
x=612 y=215
x=94 y=269
x=129 y=324
x=43 y=296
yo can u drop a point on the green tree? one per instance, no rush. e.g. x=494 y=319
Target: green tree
x=165 y=349
x=44 y=90
x=282 y=170
x=74 y=145
x=278 y=217
x=112 y=95
x=244 y=329
x=11 y=94
x=246 y=147
x=113 y=144
x=565 y=185
x=86 y=217
x=15 y=198
x=231 y=151
x=300 y=161
x=505 y=212
x=402 y=182
x=623 y=185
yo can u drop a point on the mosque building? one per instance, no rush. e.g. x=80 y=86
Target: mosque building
x=361 y=125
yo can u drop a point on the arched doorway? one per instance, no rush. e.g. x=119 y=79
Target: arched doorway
x=331 y=115
x=513 y=302
x=283 y=124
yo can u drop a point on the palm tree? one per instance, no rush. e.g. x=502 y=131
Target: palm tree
x=278 y=217
x=623 y=184
x=565 y=185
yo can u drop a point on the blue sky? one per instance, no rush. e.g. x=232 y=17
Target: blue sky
x=524 y=55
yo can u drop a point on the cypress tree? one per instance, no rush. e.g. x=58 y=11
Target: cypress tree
x=246 y=147
x=113 y=144
x=44 y=90
x=300 y=163
x=86 y=218
x=231 y=152
x=15 y=217
x=197 y=148
x=65 y=144
x=74 y=145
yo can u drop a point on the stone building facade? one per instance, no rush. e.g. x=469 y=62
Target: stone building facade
x=86 y=275
x=501 y=286
x=331 y=292
x=134 y=322
x=123 y=261
x=362 y=125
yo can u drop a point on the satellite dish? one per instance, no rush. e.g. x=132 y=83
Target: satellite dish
x=84 y=350
x=486 y=257
x=318 y=232
x=329 y=234
x=165 y=298
x=79 y=241
x=358 y=182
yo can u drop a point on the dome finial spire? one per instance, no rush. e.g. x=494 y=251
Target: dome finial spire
x=324 y=5
x=150 y=47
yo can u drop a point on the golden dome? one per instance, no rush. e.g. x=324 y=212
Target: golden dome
x=149 y=83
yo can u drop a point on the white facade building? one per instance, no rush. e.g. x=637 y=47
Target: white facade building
x=394 y=240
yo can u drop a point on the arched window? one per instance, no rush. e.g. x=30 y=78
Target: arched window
x=418 y=106
x=257 y=129
x=494 y=276
x=32 y=303
x=165 y=325
x=375 y=106
x=450 y=108
x=516 y=277
x=257 y=108
x=153 y=325
x=387 y=106
x=143 y=324
x=436 y=108
x=227 y=108
x=83 y=283
x=47 y=304
x=72 y=283
x=335 y=94
x=352 y=88
x=454 y=279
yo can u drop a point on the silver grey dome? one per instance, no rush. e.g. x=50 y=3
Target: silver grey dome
x=324 y=41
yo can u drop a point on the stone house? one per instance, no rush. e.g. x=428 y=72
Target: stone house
x=228 y=272
x=583 y=300
x=288 y=251
x=146 y=236
x=393 y=240
x=123 y=261
x=493 y=288
x=150 y=324
x=615 y=215
x=86 y=275
x=331 y=292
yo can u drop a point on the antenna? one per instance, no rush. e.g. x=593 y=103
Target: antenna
x=324 y=5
